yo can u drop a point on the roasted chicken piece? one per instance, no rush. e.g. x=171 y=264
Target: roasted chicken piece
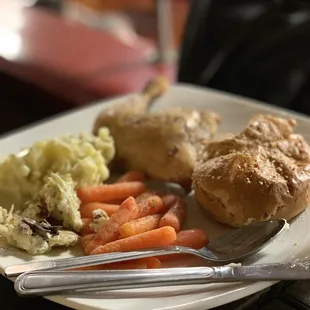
x=261 y=173
x=164 y=145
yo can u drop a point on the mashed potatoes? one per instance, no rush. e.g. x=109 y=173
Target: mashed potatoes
x=34 y=238
x=58 y=200
x=41 y=185
x=85 y=157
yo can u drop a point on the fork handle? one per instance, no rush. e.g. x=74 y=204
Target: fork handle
x=92 y=260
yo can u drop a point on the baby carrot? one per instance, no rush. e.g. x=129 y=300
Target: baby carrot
x=142 y=263
x=168 y=201
x=103 y=193
x=192 y=238
x=153 y=263
x=127 y=211
x=85 y=240
x=144 y=196
x=131 y=176
x=86 y=229
x=139 y=225
x=115 y=201
x=150 y=239
x=151 y=205
x=174 y=216
x=87 y=209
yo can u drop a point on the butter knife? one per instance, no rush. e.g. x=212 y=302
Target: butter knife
x=59 y=282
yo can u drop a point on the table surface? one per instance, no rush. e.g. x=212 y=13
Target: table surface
x=70 y=60
x=284 y=296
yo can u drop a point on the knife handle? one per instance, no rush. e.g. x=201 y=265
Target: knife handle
x=51 y=282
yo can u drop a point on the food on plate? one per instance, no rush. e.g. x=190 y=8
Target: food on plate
x=192 y=238
x=30 y=228
x=86 y=228
x=41 y=185
x=148 y=220
x=87 y=209
x=100 y=218
x=151 y=239
x=144 y=196
x=140 y=225
x=150 y=205
x=261 y=173
x=86 y=239
x=57 y=199
x=32 y=236
x=94 y=222
x=127 y=211
x=103 y=193
x=85 y=157
x=59 y=196
x=164 y=145
x=175 y=216
x=168 y=200
x=136 y=106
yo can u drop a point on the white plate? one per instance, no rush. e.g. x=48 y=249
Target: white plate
x=235 y=112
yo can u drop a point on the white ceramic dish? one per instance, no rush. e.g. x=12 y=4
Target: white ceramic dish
x=292 y=244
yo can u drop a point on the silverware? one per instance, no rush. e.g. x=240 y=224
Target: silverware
x=55 y=282
x=232 y=247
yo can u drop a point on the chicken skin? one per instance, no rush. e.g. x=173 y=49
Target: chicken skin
x=164 y=145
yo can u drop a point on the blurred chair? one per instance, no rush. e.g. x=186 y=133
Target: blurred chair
x=255 y=48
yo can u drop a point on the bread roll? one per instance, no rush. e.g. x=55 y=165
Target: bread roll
x=262 y=173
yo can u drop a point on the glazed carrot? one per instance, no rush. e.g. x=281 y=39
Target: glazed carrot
x=86 y=229
x=150 y=239
x=153 y=263
x=142 y=263
x=131 y=176
x=87 y=209
x=85 y=240
x=115 y=201
x=144 y=196
x=192 y=238
x=139 y=225
x=174 y=216
x=127 y=211
x=151 y=205
x=168 y=201
x=103 y=193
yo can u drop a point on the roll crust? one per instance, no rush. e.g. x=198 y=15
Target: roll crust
x=261 y=173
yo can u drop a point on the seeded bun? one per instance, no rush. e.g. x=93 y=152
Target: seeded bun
x=262 y=173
